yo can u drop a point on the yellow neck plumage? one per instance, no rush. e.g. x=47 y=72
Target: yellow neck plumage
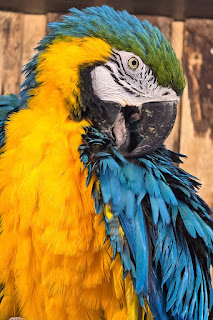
x=59 y=67
x=45 y=205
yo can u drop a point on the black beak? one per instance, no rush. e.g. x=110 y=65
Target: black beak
x=147 y=129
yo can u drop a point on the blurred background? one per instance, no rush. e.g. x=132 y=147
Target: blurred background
x=187 y=24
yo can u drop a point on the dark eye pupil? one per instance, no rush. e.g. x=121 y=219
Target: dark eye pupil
x=134 y=62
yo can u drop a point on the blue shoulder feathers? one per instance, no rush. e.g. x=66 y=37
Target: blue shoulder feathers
x=8 y=105
x=157 y=223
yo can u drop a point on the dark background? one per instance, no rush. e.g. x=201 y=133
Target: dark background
x=176 y=9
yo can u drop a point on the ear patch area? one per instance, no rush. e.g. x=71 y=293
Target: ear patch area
x=59 y=66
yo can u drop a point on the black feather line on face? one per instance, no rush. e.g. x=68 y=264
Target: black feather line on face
x=104 y=115
x=134 y=132
x=134 y=91
x=101 y=113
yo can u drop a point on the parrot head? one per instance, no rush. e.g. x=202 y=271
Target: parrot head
x=115 y=71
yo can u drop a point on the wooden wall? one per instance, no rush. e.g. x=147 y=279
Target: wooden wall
x=193 y=42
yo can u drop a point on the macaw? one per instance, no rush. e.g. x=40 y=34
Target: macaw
x=97 y=221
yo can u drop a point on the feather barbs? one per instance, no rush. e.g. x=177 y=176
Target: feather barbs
x=59 y=66
x=51 y=236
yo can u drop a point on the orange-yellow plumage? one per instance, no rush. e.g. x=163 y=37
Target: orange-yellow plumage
x=53 y=259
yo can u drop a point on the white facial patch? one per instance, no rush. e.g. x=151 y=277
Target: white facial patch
x=126 y=80
x=107 y=89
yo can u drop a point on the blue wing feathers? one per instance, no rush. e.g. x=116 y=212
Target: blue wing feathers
x=129 y=228
x=168 y=234
x=130 y=205
x=142 y=253
x=8 y=105
x=155 y=209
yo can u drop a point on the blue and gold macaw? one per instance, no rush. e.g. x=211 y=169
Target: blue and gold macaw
x=97 y=221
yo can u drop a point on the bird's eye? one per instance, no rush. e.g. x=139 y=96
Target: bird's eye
x=133 y=63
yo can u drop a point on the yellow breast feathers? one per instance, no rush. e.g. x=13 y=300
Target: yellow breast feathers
x=54 y=264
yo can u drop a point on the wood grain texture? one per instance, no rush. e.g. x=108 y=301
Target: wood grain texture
x=177 y=36
x=11 y=38
x=199 y=37
x=196 y=134
x=52 y=17
x=34 y=31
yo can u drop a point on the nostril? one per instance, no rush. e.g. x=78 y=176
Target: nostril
x=165 y=93
x=134 y=117
x=131 y=114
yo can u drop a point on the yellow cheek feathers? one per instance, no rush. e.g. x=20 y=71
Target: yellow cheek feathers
x=59 y=66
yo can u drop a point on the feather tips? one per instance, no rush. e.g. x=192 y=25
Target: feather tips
x=153 y=198
x=8 y=104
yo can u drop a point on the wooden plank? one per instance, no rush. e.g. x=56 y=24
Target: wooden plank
x=11 y=34
x=34 y=31
x=197 y=111
x=177 y=36
x=178 y=9
x=52 y=17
